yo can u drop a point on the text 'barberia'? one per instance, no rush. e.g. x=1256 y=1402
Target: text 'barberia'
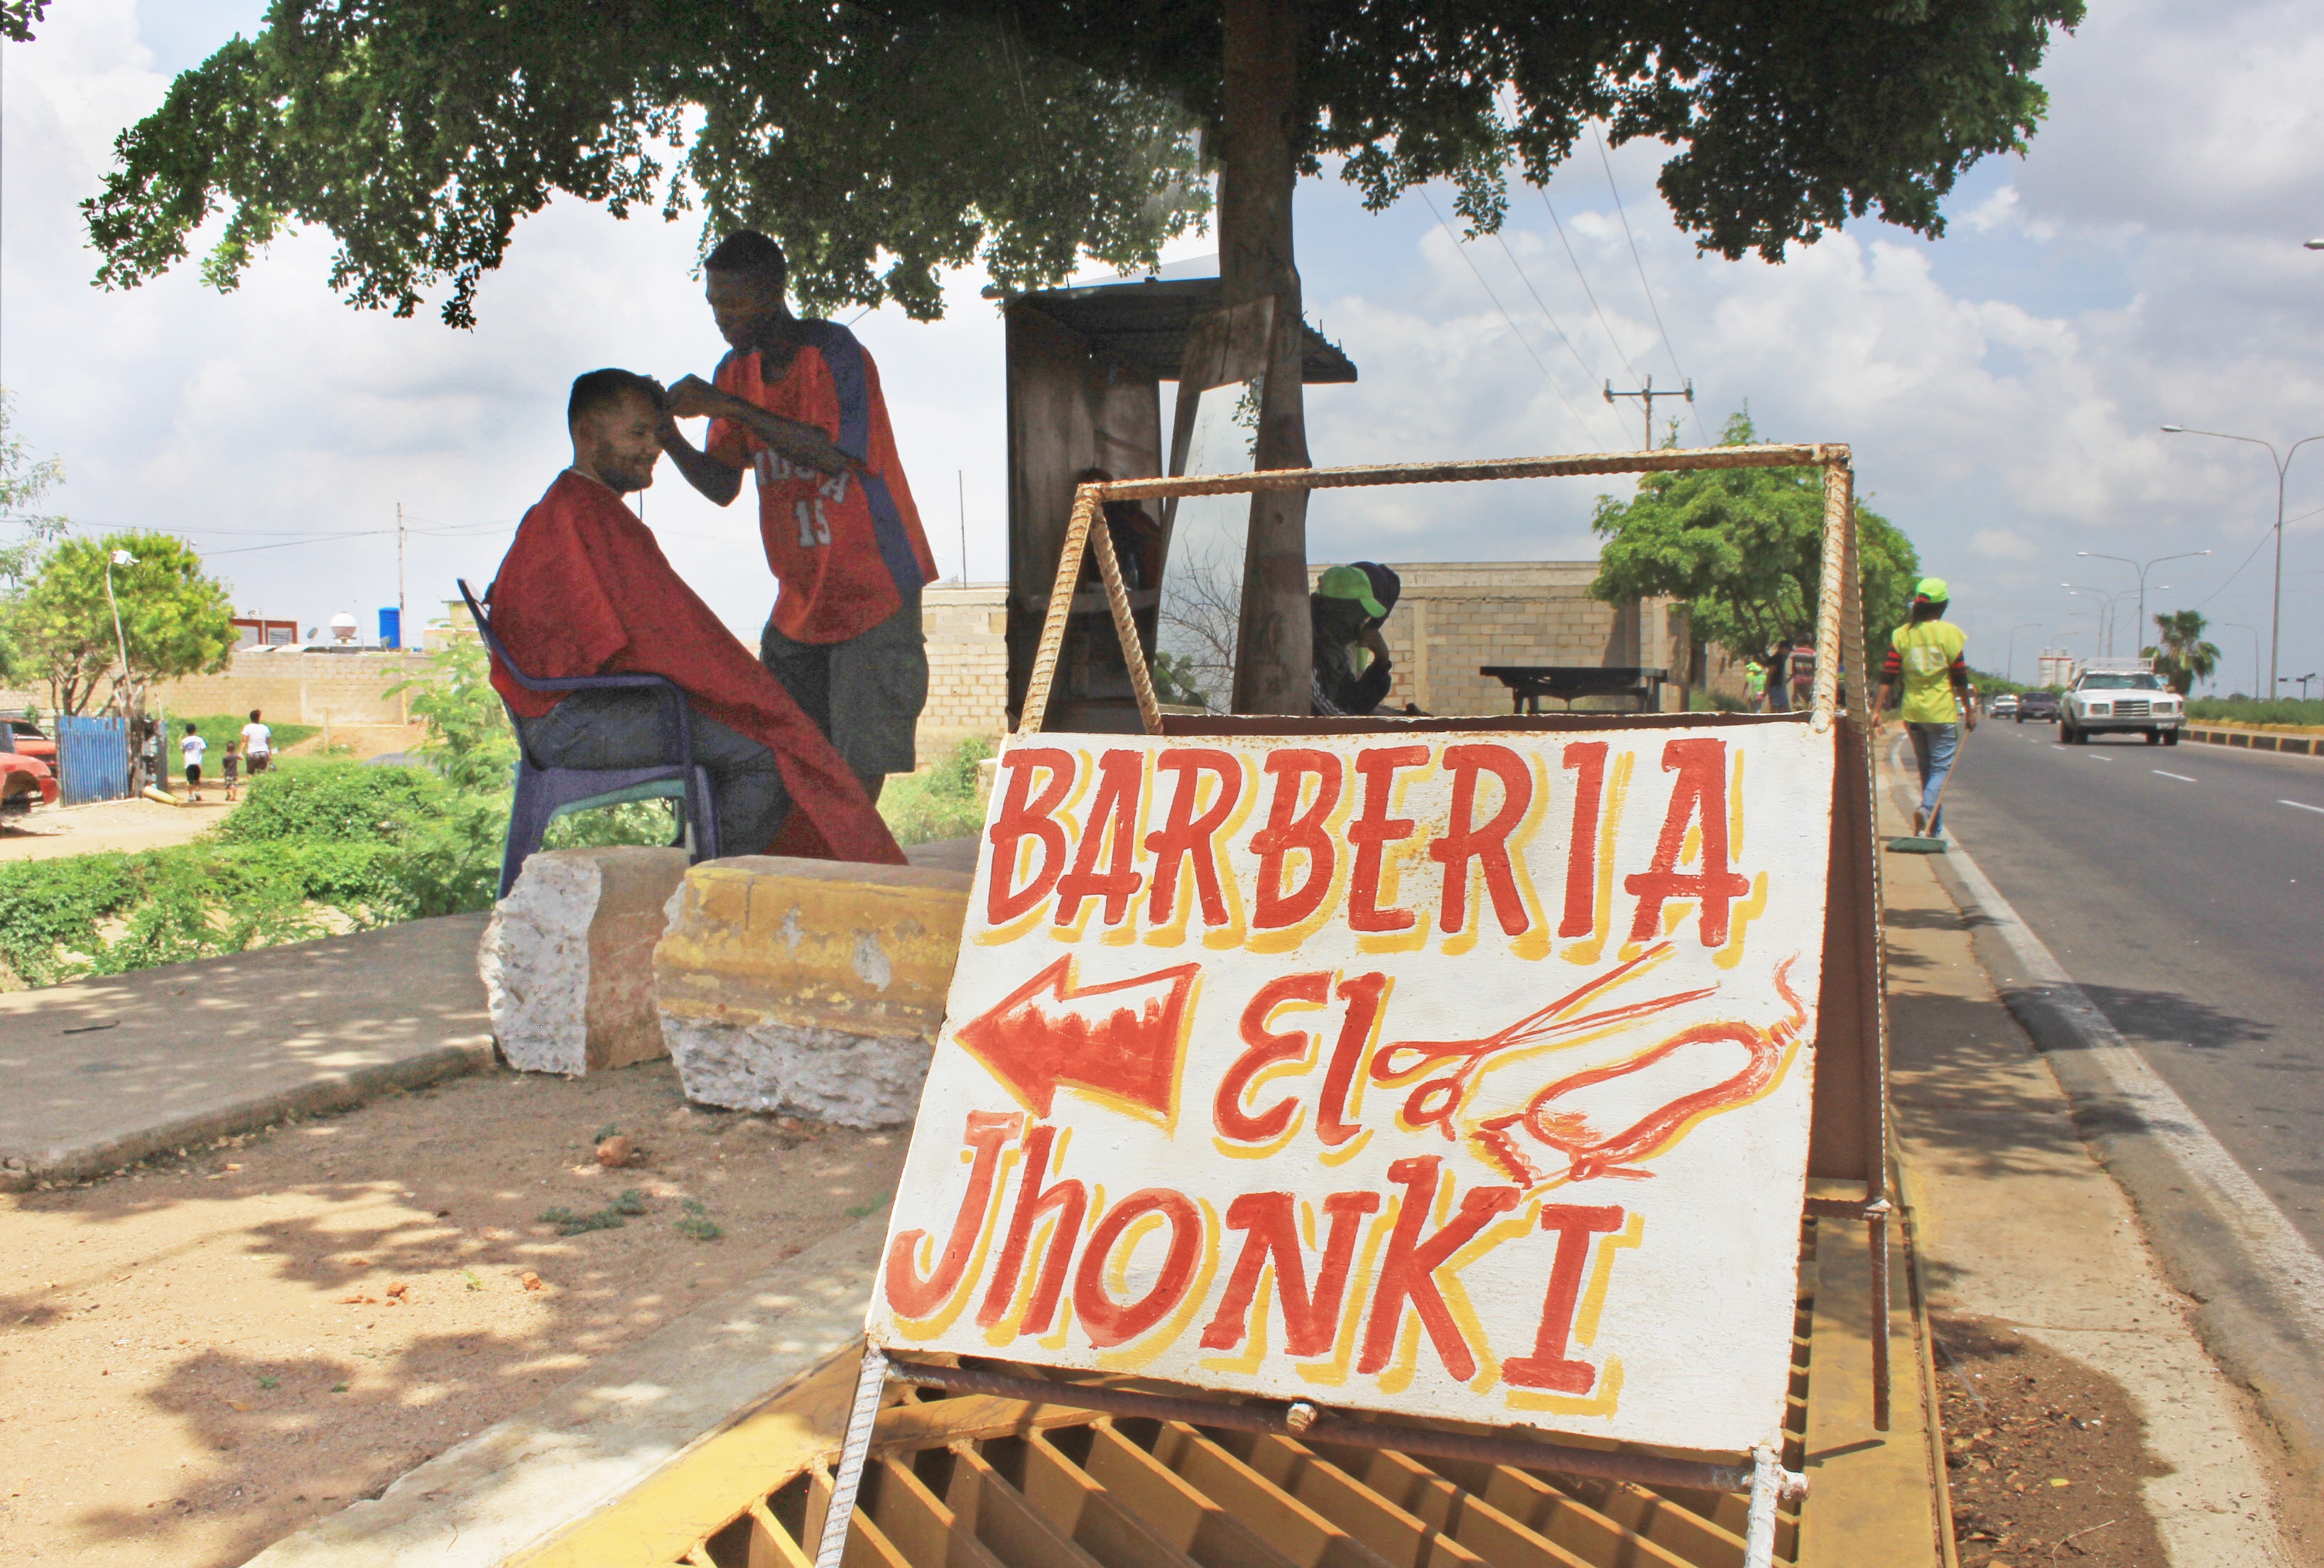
x=1029 y=1255
x=1267 y=847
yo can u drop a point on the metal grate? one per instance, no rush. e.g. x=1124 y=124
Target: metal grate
x=972 y=1482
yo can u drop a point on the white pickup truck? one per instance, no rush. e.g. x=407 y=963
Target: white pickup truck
x=2113 y=695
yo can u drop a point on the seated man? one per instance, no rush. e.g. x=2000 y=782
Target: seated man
x=585 y=590
x=1352 y=668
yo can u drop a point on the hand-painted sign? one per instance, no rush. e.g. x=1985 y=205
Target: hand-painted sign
x=1460 y=1073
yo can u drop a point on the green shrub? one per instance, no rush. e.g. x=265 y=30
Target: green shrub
x=332 y=799
x=940 y=803
x=2245 y=710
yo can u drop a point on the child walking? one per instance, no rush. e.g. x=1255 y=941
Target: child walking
x=231 y=766
x=192 y=747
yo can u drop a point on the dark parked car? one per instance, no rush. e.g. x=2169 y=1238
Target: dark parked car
x=2038 y=704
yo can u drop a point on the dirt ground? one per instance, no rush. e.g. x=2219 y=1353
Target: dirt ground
x=204 y=1354
x=2043 y=1455
x=50 y=831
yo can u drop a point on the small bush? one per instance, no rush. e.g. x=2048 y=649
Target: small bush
x=2245 y=710
x=940 y=803
x=333 y=800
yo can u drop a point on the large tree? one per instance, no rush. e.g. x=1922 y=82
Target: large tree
x=1744 y=548
x=882 y=145
x=173 y=619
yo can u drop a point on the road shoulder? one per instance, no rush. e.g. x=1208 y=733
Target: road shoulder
x=2019 y=1224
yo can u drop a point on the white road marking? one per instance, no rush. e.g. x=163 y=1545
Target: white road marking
x=2181 y=777
x=2296 y=805
x=2241 y=1208
x=2097 y=759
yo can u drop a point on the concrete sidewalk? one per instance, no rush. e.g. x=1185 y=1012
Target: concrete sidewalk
x=103 y=1072
x=2017 y=1222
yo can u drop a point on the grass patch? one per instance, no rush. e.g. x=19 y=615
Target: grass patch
x=940 y=803
x=217 y=729
x=2248 y=710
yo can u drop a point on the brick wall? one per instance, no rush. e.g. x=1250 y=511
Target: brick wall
x=1456 y=617
x=967 y=630
x=301 y=688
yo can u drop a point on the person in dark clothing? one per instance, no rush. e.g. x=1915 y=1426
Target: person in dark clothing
x=1352 y=667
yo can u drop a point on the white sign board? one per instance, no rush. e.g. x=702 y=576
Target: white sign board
x=1453 y=1073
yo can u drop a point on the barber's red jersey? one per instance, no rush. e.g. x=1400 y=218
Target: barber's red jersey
x=845 y=546
x=585 y=590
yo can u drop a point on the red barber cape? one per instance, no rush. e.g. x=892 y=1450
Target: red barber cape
x=585 y=590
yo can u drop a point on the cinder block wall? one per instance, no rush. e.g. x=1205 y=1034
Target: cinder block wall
x=302 y=687
x=1456 y=617
x=967 y=629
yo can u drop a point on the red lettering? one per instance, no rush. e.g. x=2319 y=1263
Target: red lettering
x=1271 y=1231
x=1547 y=1367
x=1463 y=840
x=1185 y=836
x=1287 y=830
x=1110 y=1322
x=1587 y=760
x=1068 y=1199
x=908 y=1293
x=1112 y=820
x=1699 y=793
x=1364 y=994
x=1371 y=833
x=1265 y=1046
x=1408 y=1272
x=1020 y=819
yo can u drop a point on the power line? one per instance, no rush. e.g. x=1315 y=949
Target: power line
x=1545 y=312
x=1581 y=278
x=1607 y=164
x=1522 y=341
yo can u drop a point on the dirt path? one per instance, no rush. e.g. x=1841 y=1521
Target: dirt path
x=200 y=1357
x=50 y=832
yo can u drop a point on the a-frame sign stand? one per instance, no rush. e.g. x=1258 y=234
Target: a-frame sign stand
x=1847 y=1124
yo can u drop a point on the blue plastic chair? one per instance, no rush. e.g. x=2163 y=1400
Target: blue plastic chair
x=545 y=794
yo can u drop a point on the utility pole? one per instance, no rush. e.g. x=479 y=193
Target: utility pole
x=1646 y=394
x=960 y=478
x=400 y=636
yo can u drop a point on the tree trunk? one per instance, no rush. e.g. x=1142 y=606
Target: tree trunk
x=1273 y=656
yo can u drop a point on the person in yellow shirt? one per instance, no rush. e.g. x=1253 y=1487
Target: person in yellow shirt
x=1928 y=656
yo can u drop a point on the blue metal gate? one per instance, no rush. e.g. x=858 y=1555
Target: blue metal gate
x=92 y=760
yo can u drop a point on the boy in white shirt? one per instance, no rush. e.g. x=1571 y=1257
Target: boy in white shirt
x=193 y=746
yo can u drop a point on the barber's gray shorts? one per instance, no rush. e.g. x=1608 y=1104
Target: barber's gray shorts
x=864 y=694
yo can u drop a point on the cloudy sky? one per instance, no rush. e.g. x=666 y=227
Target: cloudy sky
x=2002 y=387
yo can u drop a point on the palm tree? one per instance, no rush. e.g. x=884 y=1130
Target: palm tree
x=2183 y=657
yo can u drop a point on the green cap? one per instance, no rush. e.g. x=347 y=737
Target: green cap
x=1933 y=590
x=1350 y=583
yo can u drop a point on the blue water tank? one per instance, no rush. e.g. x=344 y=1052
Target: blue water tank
x=390 y=627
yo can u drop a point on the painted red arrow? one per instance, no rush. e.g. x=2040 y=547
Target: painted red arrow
x=1122 y=1040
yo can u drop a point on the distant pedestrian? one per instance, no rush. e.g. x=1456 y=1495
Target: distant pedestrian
x=1802 y=675
x=193 y=747
x=257 y=743
x=1754 y=686
x=1928 y=655
x=230 y=765
x=1779 y=677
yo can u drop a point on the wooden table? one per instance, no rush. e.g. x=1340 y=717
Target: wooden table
x=1529 y=683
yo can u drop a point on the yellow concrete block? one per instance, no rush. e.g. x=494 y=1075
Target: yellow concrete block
x=820 y=944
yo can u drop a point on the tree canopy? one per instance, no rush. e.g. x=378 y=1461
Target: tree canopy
x=25 y=482
x=2182 y=657
x=175 y=619
x=884 y=144
x=1744 y=548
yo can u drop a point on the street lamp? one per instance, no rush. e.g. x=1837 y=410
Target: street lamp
x=118 y=558
x=2009 y=671
x=2239 y=626
x=2106 y=619
x=2142 y=570
x=2276 y=621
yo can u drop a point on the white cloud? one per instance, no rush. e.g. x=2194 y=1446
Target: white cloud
x=2002 y=389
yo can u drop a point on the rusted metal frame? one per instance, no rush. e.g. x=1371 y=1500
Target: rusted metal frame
x=1274 y=1419
x=1061 y=605
x=1125 y=627
x=840 y=1513
x=1667 y=460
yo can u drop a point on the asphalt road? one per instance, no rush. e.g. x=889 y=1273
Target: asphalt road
x=2183 y=889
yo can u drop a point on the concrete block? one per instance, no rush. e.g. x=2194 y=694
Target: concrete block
x=810 y=986
x=567 y=958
